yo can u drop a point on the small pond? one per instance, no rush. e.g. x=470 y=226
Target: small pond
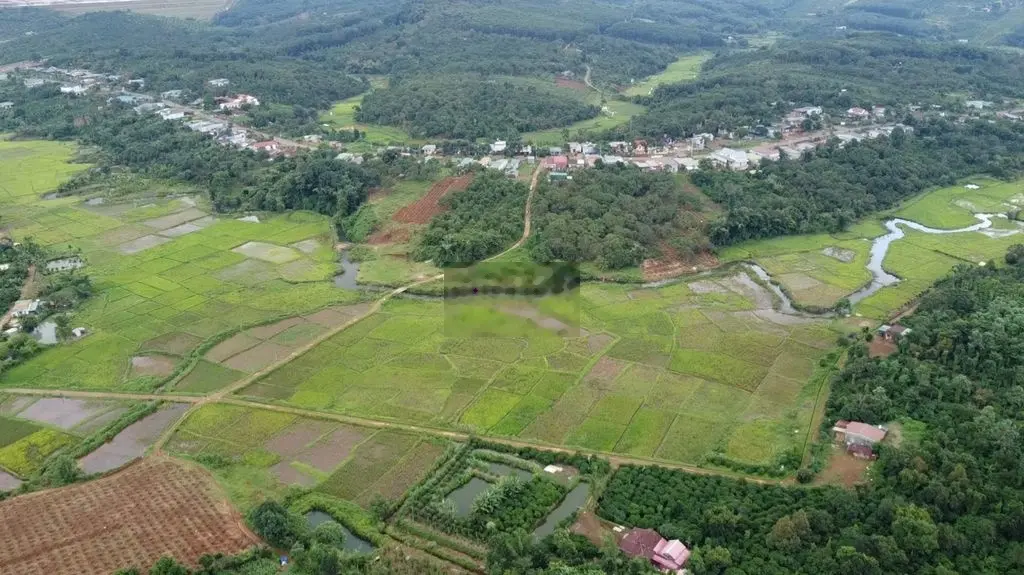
x=502 y=470
x=349 y=275
x=64 y=264
x=46 y=333
x=573 y=501
x=464 y=496
x=352 y=541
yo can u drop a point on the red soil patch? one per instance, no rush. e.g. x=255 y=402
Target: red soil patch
x=843 y=469
x=131 y=518
x=671 y=264
x=423 y=210
x=571 y=84
x=880 y=347
x=392 y=236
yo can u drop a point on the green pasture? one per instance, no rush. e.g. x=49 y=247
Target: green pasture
x=32 y=168
x=685 y=69
x=644 y=366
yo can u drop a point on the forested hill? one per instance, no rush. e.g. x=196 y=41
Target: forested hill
x=950 y=502
x=469 y=108
x=752 y=87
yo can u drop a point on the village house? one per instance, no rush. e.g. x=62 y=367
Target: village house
x=640 y=147
x=350 y=158
x=858 y=438
x=429 y=150
x=76 y=90
x=667 y=556
x=172 y=94
x=219 y=82
x=590 y=148
x=555 y=163
x=857 y=114
x=555 y=151
x=893 y=332
x=237 y=102
x=509 y=166
x=730 y=158
x=499 y=147
x=689 y=164
x=701 y=141
x=34 y=82
x=575 y=148
x=171 y=114
x=269 y=146
x=6 y=105
x=25 y=307
x=619 y=147
x=978 y=104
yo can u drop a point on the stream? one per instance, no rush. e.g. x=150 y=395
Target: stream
x=880 y=248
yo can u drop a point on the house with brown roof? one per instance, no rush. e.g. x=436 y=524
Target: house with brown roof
x=859 y=438
x=668 y=556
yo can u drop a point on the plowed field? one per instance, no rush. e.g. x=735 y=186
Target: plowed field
x=421 y=211
x=132 y=518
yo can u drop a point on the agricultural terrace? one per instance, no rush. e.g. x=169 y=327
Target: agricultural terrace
x=696 y=372
x=129 y=518
x=171 y=281
x=256 y=452
x=818 y=270
x=685 y=69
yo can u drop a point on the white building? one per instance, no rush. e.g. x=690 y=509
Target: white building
x=219 y=82
x=499 y=146
x=730 y=158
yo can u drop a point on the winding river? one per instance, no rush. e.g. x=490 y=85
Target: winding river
x=879 y=249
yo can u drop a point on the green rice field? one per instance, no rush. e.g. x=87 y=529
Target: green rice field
x=673 y=373
x=169 y=277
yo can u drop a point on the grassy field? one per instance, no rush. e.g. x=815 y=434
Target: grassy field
x=169 y=278
x=685 y=69
x=645 y=364
x=618 y=112
x=342 y=116
x=818 y=270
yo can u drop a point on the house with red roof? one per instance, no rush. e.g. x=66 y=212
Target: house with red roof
x=860 y=438
x=668 y=556
x=556 y=163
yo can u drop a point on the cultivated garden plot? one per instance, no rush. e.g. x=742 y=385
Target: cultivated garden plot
x=679 y=373
x=130 y=518
x=160 y=301
x=273 y=450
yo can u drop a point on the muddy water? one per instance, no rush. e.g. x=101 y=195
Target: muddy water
x=880 y=248
x=352 y=541
x=573 y=501
x=46 y=333
x=349 y=275
x=464 y=496
x=502 y=470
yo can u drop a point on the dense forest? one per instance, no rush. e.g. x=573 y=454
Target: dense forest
x=950 y=502
x=614 y=216
x=831 y=187
x=757 y=87
x=469 y=108
x=481 y=221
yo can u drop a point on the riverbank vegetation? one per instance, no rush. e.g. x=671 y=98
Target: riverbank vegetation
x=951 y=501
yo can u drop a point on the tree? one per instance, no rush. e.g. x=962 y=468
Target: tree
x=275 y=524
x=63 y=326
x=62 y=470
x=168 y=566
x=1015 y=254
